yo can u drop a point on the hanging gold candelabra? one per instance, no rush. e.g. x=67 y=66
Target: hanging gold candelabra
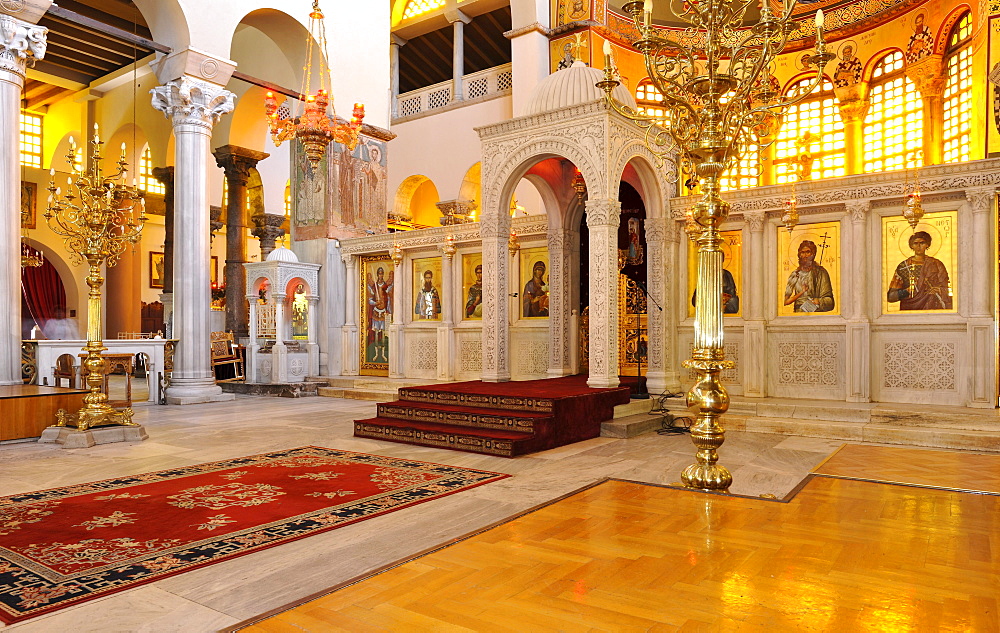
x=717 y=99
x=98 y=217
x=315 y=128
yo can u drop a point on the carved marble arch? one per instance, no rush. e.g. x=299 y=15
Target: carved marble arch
x=637 y=166
x=512 y=167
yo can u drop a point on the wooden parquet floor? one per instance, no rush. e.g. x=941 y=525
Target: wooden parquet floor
x=917 y=466
x=842 y=555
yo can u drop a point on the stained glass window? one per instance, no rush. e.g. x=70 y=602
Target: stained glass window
x=147 y=182
x=958 y=93
x=420 y=7
x=894 y=126
x=31 y=139
x=818 y=115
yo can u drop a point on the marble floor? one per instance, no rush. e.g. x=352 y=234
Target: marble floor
x=223 y=594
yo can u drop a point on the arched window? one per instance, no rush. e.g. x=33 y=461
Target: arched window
x=819 y=115
x=420 y=7
x=958 y=92
x=31 y=139
x=744 y=174
x=649 y=99
x=894 y=126
x=147 y=182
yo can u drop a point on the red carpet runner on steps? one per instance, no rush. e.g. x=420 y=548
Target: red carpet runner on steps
x=495 y=418
x=67 y=545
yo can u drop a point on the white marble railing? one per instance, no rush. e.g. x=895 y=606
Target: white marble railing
x=492 y=81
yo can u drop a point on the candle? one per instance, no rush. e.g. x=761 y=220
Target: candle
x=123 y=149
x=72 y=143
x=647 y=12
x=819 y=19
x=607 y=54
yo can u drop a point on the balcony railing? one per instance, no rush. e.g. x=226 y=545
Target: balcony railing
x=485 y=83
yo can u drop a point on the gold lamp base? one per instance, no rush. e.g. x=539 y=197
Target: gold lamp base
x=711 y=399
x=88 y=418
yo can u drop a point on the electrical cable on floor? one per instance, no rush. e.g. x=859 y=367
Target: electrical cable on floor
x=671 y=424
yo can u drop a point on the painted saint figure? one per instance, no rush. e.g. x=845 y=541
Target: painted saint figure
x=428 y=305
x=809 y=286
x=380 y=309
x=535 y=299
x=474 y=304
x=300 y=313
x=921 y=42
x=849 y=68
x=921 y=281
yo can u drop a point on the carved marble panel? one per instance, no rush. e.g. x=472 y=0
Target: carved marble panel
x=421 y=354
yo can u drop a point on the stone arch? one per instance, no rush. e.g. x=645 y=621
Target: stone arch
x=472 y=185
x=255 y=193
x=873 y=61
x=941 y=40
x=414 y=190
x=654 y=188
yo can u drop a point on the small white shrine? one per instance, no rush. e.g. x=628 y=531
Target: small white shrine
x=282 y=293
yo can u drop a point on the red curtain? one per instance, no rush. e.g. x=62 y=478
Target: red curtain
x=42 y=292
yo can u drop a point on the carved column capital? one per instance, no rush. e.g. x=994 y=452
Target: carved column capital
x=20 y=43
x=981 y=199
x=267 y=228
x=214 y=223
x=853 y=102
x=928 y=74
x=857 y=209
x=189 y=101
x=656 y=230
x=237 y=162
x=755 y=220
x=605 y=212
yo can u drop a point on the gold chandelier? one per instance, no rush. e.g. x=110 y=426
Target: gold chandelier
x=97 y=217
x=318 y=124
x=718 y=98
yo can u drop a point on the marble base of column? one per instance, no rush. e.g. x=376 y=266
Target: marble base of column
x=396 y=351
x=754 y=359
x=349 y=347
x=983 y=383
x=858 y=379
x=444 y=349
x=196 y=391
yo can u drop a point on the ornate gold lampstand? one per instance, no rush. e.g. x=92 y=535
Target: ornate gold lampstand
x=97 y=220
x=718 y=98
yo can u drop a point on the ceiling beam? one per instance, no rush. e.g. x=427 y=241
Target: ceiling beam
x=107 y=29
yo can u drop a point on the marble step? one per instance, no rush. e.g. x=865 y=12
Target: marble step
x=356 y=394
x=486 y=442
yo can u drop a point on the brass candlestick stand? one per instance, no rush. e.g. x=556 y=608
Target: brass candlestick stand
x=718 y=99
x=97 y=220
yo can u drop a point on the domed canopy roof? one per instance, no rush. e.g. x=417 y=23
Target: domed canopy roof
x=573 y=86
x=282 y=254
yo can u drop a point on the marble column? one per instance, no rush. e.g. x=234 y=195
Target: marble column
x=458 y=21
x=754 y=357
x=165 y=176
x=19 y=42
x=279 y=351
x=656 y=276
x=858 y=379
x=193 y=106
x=853 y=104
x=560 y=295
x=603 y=219
x=349 y=332
x=929 y=76
x=312 y=347
x=494 y=228
x=237 y=163
x=396 y=348
x=445 y=329
x=395 y=43
x=267 y=229
x=981 y=327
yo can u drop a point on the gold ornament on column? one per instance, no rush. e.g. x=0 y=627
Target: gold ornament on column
x=98 y=217
x=717 y=100
x=513 y=244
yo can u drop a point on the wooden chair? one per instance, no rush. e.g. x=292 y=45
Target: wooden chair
x=226 y=354
x=65 y=370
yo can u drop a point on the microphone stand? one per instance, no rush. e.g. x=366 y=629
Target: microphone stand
x=641 y=392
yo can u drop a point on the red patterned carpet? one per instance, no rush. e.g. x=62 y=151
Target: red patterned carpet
x=67 y=545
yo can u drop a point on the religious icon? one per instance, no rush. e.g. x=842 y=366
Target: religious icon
x=632 y=254
x=377 y=296
x=921 y=42
x=535 y=283
x=155 y=270
x=810 y=267
x=919 y=264
x=848 y=71
x=472 y=285
x=732 y=272
x=300 y=313
x=427 y=298
x=29 y=195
